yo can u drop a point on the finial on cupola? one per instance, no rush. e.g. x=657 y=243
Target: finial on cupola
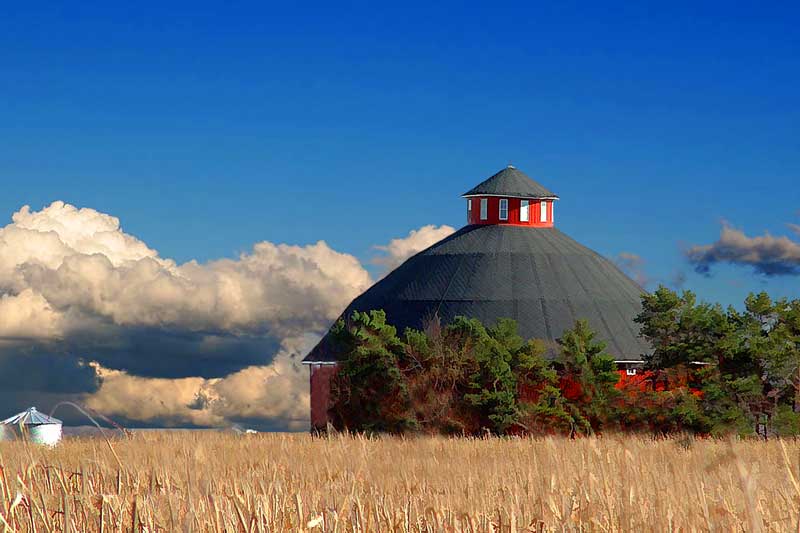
x=510 y=197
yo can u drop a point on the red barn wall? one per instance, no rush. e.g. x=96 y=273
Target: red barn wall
x=321 y=376
x=646 y=380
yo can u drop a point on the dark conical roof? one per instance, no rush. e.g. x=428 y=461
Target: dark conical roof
x=538 y=276
x=510 y=182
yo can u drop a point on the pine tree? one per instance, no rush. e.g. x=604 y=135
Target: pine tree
x=587 y=367
x=369 y=392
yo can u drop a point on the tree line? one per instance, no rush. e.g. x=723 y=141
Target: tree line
x=711 y=371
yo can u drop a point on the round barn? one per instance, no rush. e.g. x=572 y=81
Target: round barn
x=508 y=261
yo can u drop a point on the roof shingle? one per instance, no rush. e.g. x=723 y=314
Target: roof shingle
x=538 y=276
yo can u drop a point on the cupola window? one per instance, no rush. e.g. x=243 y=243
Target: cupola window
x=503 y=209
x=484 y=208
x=524 y=211
x=543 y=211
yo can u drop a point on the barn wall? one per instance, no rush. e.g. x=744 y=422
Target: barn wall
x=320 y=382
x=493 y=212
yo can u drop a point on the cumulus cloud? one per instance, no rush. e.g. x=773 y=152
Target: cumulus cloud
x=62 y=259
x=767 y=255
x=28 y=315
x=275 y=392
x=161 y=401
x=633 y=265
x=80 y=260
x=398 y=250
x=100 y=317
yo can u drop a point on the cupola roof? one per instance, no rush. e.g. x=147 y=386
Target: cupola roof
x=511 y=182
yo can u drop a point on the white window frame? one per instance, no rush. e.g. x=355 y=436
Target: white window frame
x=542 y=211
x=524 y=211
x=503 y=202
x=484 y=208
x=630 y=371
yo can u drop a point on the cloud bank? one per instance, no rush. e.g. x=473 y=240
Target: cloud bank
x=767 y=255
x=78 y=264
x=102 y=318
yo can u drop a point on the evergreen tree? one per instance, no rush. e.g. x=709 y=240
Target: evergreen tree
x=680 y=330
x=492 y=382
x=771 y=333
x=369 y=392
x=702 y=340
x=752 y=358
x=591 y=373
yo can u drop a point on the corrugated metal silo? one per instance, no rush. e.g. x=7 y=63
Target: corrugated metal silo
x=32 y=425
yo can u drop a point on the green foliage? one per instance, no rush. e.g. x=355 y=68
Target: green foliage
x=680 y=330
x=753 y=357
x=551 y=412
x=369 y=392
x=713 y=371
x=786 y=421
x=492 y=383
x=590 y=373
x=463 y=378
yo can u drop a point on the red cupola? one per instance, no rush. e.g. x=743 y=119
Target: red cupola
x=510 y=197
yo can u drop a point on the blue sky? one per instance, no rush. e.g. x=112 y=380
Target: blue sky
x=208 y=127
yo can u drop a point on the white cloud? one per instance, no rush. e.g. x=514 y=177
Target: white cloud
x=278 y=391
x=80 y=260
x=67 y=230
x=28 y=315
x=398 y=250
x=73 y=279
x=141 y=399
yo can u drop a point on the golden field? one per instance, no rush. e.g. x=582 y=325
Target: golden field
x=206 y=481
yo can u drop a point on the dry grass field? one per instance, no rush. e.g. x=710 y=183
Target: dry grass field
x=218 y=482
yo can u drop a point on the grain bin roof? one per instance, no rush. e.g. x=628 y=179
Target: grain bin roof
x=510 y=182
x=538 y=276
x=30 y=417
